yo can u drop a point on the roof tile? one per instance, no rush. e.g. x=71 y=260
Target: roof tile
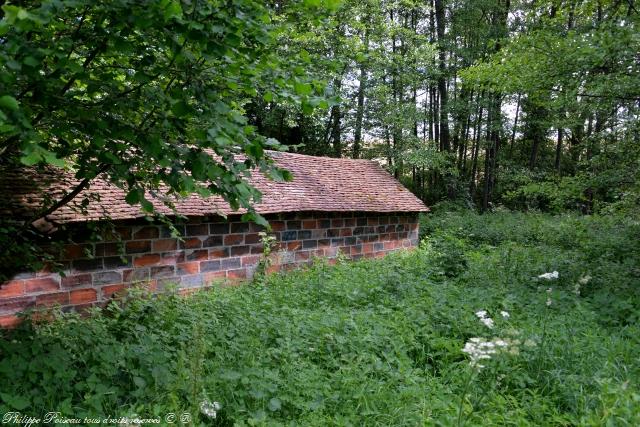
x=319 y=184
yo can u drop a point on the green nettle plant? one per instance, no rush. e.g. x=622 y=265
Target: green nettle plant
x=269 y=243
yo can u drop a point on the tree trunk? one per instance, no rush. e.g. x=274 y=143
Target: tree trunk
x=442 y=82
x=357 y=137
x=558 y=150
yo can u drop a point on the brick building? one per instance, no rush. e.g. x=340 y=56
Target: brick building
x=332 y=205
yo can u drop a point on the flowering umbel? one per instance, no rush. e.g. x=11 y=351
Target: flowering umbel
x=210 y=409
x=480 y=349
x=549 y=276
x=486 y=321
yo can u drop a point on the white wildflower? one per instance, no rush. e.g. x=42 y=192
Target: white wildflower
x=576 y=289
x=488 y=322
x=505 y=314
x=210 y=409
x=549 y=290
x=549 y=276
x=549 y=302
x=480 y=349
x=584 y=279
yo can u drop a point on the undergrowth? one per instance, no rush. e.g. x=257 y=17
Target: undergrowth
x=376 y=342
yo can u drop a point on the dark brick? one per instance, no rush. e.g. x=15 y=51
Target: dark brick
x=289 y=235
x=192 y=281
x=212 y=241
x=233 y=239
x=87 y=264
x=165 y=232
x=107 y=278
x=294 y=225
x=319 y=233
x=162 y=271
x=337 y=242
x=135 y=275
x=333 y=232
x=197 y=230
x=309 y=244
x=240 y=250
x=206 y=266
x=138 y=247
x=239 y=227
x=349 y=222
x=74 y=251
x=230 y=263
x=219 y=228
x=77 y=280
x=109 y=249
x=252 y=238
x=345 y=232
x=117 y=262
x=358 y=230
x=361 y=222
x=256 y=228
x=304 y=234
x=257 y=249
x=349 y=241
x=324 y=223
x=148 y=232
x=378 y=246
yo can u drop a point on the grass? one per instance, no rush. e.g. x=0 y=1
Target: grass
x=375 y=342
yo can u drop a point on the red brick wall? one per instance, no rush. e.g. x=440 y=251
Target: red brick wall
x=211 y=249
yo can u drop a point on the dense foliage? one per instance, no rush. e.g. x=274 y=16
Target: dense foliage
x=534 y=105
x=370 y=343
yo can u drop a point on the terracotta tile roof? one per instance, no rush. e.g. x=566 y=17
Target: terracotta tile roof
x=319 y=184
